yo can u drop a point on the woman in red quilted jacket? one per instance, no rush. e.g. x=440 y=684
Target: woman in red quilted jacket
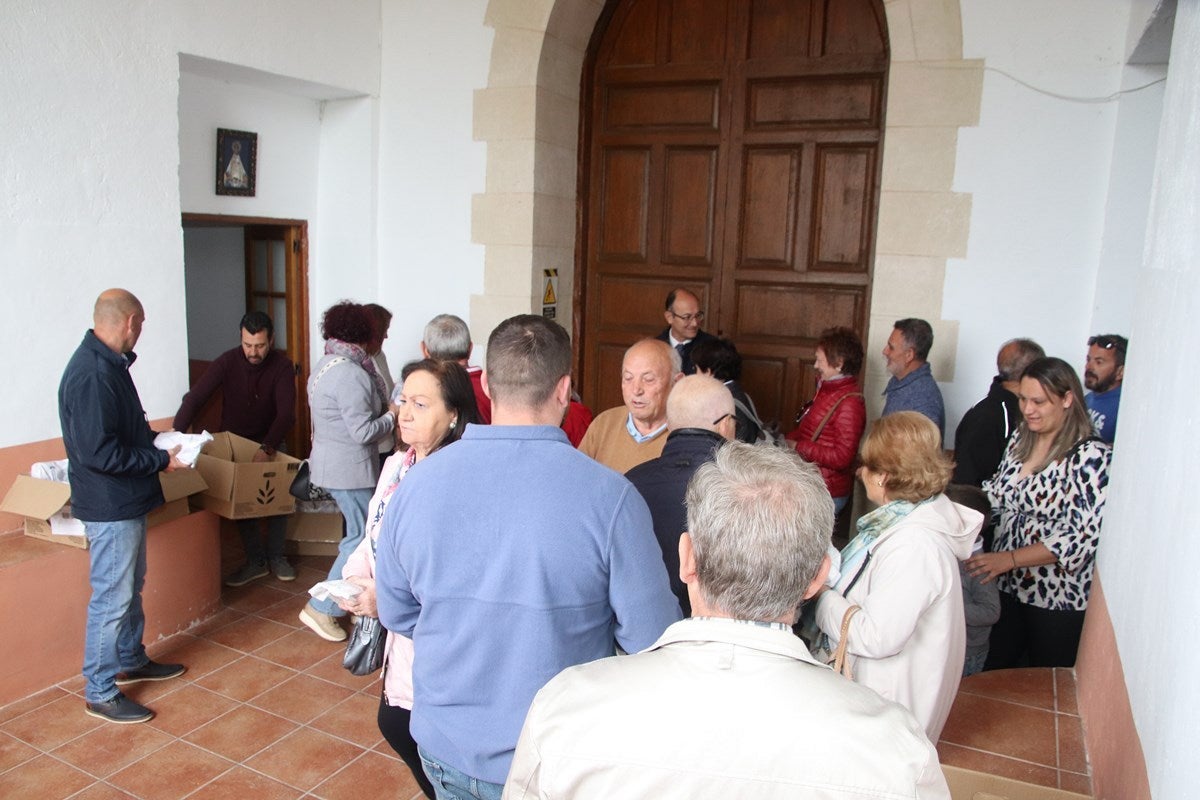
x=832 y=424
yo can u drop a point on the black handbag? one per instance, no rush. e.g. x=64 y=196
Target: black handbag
x=364 y=647
x=302 y=487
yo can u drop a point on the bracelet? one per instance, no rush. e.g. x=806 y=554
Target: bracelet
x=1013 y=553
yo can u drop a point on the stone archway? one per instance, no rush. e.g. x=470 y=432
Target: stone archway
x=529 y=117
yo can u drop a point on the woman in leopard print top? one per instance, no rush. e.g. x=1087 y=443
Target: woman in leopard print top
x=1047 y=499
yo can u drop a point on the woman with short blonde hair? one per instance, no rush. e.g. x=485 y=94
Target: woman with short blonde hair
x=908 y=637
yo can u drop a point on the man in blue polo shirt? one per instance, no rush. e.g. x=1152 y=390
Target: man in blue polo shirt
x=1102 y=377
x=507 y=557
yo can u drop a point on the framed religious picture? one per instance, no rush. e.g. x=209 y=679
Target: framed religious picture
x=237 y=157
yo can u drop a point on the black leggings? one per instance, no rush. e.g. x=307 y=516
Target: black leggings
x=393 y=724
x=1028 y=636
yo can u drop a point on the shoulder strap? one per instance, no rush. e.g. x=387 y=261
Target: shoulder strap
x=841 y=664
x=825 y=419
x=748 y=412
x=333 y=362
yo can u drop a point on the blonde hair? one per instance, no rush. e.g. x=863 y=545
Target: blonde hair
x=907 y=448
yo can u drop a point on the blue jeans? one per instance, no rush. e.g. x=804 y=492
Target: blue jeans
x=451 y=784
x=115 y=622
x=974 y=664
x=249 y=530
x=353 y=505
x=839 y=503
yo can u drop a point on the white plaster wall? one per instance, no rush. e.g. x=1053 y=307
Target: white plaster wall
x=215 y=277
x=342 y=262
x=289 y=138
x=437 y=55
x=1037 y=168
x=1130 y=178
x=1149 y=543
x=90 y=163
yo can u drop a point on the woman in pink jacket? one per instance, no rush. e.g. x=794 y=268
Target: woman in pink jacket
x=433 y=404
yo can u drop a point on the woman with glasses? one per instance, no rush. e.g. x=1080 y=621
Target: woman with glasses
x=1047 y=499
x=907 y=639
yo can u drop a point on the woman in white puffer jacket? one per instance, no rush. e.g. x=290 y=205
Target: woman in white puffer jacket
x=908 y=639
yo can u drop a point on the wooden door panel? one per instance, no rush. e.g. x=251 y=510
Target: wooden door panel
x=731 y=147
x=794 y=314
x=692 y=39
x=831 y=102
x=848 y=29
x=691 y=105
x=779 y=29
x=688 y=200
x=624 y=205
x=770 y=203
x=764 y=379
x=843 y=198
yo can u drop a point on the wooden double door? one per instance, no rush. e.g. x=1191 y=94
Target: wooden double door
x=731 y=147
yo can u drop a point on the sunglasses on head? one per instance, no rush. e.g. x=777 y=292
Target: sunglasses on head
x=1107 y=342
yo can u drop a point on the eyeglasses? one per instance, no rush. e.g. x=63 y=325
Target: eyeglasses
x=698 y=316
x=1107 y=342
x=722 y=418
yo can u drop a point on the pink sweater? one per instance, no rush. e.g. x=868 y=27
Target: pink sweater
x=398 y=655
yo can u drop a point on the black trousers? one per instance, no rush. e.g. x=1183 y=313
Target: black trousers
x=1028 y=636
x=393 y=724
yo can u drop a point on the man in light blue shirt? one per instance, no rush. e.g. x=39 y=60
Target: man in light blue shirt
x=507 y=557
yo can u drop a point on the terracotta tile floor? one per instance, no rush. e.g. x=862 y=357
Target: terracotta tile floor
x=1019 y=723
x=265 y=710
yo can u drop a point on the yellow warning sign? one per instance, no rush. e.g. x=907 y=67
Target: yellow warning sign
x=548 y=299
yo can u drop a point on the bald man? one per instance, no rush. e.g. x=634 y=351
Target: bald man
x=700 y=417
x=684 y=317
x=114 y=468
x=625 y=436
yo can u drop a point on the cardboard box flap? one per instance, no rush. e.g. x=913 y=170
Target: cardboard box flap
x=181 y=483
x=30 y=497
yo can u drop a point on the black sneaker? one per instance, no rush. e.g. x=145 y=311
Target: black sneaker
x=246 y=573
x=120 y=710
x=151 y=672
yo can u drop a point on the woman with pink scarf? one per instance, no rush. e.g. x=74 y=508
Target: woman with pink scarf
x=433 y=404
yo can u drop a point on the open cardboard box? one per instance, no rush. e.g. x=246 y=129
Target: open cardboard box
x=967 y=784
x=238 y=486
x=315 y=529
x=45 y=505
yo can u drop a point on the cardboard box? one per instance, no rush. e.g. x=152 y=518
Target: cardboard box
x=46 y=505
x=967 y=784
x=315 y=529
x=238 y=486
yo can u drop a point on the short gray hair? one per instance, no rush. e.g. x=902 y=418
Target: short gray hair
x=1024 y=353
x=447 y=338
x=760 y=519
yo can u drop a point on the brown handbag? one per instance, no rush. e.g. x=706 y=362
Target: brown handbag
x=841 y=663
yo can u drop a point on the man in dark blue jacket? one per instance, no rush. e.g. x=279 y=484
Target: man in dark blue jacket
x=114 y=468
x=700 y=418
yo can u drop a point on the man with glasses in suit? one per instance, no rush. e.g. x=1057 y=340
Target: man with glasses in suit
x=684 y=318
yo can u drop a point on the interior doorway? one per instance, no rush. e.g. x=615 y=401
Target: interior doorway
x=237 y=264
x=731 y=147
